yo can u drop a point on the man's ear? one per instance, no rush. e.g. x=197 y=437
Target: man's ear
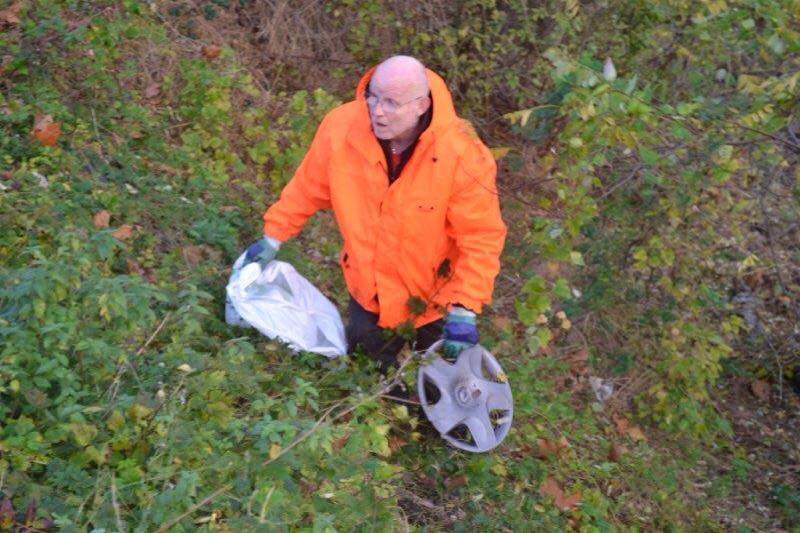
x=424 y=105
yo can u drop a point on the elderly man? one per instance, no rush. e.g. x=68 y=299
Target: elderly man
x=412 y=189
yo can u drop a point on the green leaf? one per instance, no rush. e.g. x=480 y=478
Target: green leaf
x=83 y=433
x=561 y=288
x=649 y=157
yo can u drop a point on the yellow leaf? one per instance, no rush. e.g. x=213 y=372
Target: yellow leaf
x=93 y=454
x=500 y=152
x=499 y=469
x=115 y=421
x=400 y=412
x=138 y=412
x=274 y=450
x=636 y=433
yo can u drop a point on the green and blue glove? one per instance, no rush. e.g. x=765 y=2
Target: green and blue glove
x=262 y=251
x=460 y=332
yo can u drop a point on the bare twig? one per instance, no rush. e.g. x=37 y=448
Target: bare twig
x=623 y=181
x=398 y=399
x=384 y=386
x=115 y=504
x=168 y=525
x=115 y=382
x=438 y=510
x=141 y=350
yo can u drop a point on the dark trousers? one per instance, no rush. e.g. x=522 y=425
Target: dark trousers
x=380 y=344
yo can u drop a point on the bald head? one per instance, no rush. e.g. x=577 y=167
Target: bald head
x=398 y=97
x=402 y=73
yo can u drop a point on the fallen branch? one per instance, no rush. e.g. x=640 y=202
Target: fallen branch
x=383 y=387
x=193 y=508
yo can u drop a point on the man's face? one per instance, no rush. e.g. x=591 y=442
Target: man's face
x=398 y=109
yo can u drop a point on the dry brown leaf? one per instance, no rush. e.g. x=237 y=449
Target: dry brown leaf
x=340 y=442
x=123 y=232
x=135 y=268
x=101 y=219
x=197 y=253
x=45 y=130
x=621 y=423
x=555 y=448
x=152 y=90
x=625 y=428
x=580 y=355
x=396 y=442
x=616 y=451
x=550 y=487
x=10 y=15
x=192 y=254
x=636 y=433
x=211 y=51
x=502 y=322
x=760 y=389
x=455 y=481
x=754 y=279
x=578 y=358
x=568 y=503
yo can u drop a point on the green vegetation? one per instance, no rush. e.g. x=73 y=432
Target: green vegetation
x=136 y=159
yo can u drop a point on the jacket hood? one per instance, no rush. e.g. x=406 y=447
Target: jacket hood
x=443 y=111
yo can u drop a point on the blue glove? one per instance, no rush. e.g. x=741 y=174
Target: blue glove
x=262 y=251
x=460 y=332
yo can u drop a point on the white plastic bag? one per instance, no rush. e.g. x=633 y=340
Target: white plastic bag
x=284 y=305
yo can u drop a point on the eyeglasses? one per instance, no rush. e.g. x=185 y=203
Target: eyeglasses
x=388 y=105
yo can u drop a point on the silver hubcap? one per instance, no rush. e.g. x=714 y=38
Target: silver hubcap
x=472 y=394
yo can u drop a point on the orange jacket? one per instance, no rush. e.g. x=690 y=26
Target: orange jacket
x=434 y=234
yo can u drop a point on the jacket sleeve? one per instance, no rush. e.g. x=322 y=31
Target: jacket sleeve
x=306 y=193
x=475 y=223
